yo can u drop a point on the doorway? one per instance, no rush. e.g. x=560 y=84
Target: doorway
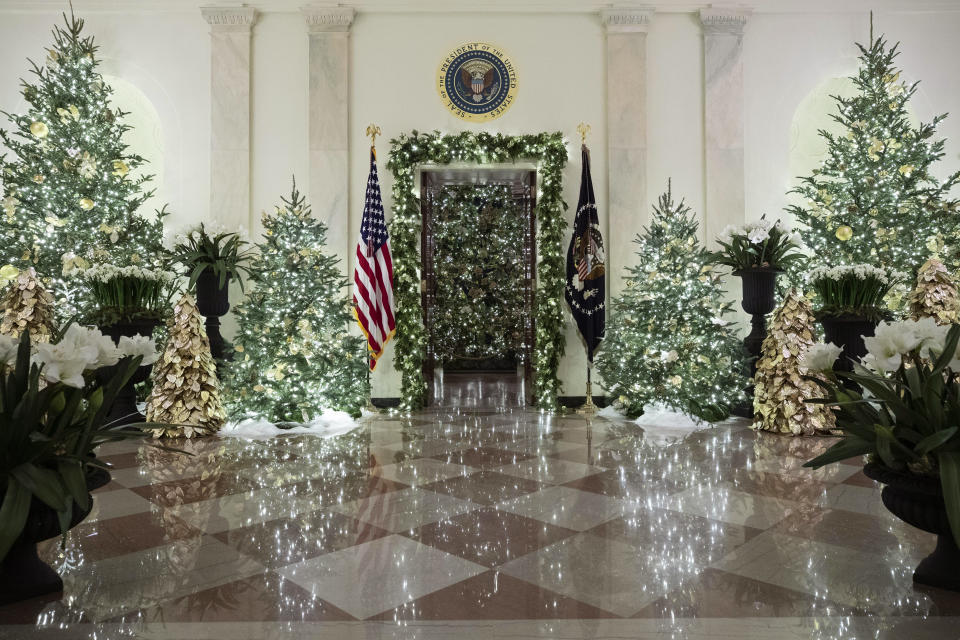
x=478 y=278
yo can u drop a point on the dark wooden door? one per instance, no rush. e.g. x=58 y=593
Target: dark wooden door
x=523 y=186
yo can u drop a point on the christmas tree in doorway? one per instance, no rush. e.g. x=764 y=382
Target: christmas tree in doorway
x=667 y=341
x=875 y=199
x=69 y=185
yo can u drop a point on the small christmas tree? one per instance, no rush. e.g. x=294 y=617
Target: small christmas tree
x=293 y=355
x=936 y=294
x=667 y=341
x=69 y=186
x=781 y=393
x=186 y=392
x=874 y=200
x=27 y=306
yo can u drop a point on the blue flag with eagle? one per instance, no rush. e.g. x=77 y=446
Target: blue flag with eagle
x=586 y=273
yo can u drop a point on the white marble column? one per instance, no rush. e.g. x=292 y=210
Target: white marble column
x=626 y=134
x=329 y=111
x=723 y=116
x=230 y=29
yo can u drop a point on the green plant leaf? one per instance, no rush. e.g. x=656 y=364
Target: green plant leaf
x=849 y=447
x=949 y=462
x=75 y=480
x=13 y=515
x=43 y=483
x=935 y=440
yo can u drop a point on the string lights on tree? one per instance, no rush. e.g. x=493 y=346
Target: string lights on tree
x=875 y=200
x=72 y=185
x=294 y=356
x=668 y=341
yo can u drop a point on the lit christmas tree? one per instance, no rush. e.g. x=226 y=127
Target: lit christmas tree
x=185 y=392
x=479 y=265
x=68 y=186
x=293 y=354
x=667 y=341
x=781 y=392
x=874 y=200
x=935 y=295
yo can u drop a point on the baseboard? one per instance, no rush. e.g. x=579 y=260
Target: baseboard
x=571 y=402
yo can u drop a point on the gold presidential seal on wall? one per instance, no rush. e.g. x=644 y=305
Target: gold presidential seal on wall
x=477 y=82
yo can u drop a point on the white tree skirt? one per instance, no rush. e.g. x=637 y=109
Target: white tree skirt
x=660 y=424
x=328 y=425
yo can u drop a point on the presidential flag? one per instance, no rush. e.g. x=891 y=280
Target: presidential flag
x=373 y=275
x=585 y=291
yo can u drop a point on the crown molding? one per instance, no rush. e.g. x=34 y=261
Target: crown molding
x=325 y=19
x=724 y=20
x=626 y=19
x=229 y=18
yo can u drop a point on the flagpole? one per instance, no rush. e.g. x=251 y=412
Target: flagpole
x=587 y=408
x=373 y=131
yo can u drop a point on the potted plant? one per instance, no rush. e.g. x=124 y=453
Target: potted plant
x=757 y=252
x=907 y=423
x=53 y=410
x=211 y=259
x=851 y=303
x=130 y=303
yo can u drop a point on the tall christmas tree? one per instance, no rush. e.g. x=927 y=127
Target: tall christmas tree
x=667 y=341
x=293 y=354
x=68 y=184
x=186 y=392
x=875 y=199
x=781 y=392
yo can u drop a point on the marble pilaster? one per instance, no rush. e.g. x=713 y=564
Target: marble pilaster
x=329 y=65
x=626 y=54
x=230 y=32
x=723 y=116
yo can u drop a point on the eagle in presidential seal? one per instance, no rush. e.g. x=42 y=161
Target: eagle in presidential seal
x=477 y=82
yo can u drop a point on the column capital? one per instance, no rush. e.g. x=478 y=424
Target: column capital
x=229 y=18
x=626 y=19
x=720 y=20
x=327 y=19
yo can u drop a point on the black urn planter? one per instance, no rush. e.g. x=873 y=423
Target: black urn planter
x=918 y=501
x=213 y=301
x=759 y=299
x=125 y=404
x=23 y=574
x=847 y=332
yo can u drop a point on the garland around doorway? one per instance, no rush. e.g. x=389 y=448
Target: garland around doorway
x=549 y=152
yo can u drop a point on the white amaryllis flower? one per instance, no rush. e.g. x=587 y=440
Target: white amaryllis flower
x=139 y=346
x=8 y=350
x=65 y=362
x=821 y=357
x=758 y=235
x=78 y=337
x=726 y=236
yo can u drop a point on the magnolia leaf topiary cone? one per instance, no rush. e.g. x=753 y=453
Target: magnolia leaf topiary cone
x=935 y=295
x=781 y=392
x=28 y=306
x=186 y=391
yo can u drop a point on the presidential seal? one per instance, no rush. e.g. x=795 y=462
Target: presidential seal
x=477 y=82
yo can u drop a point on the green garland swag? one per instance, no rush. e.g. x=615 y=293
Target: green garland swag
x=549 y=151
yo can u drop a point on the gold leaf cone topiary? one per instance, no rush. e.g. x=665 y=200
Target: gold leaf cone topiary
x=27 y=306
x=935 y=295
x=186 y=391
x=781 y=392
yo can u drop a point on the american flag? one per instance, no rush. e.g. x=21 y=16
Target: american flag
x=373 y=276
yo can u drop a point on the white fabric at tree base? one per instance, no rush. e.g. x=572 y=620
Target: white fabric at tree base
x=661 y=425
x=328 y=425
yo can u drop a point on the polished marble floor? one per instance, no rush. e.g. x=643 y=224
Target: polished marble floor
x=483 y=519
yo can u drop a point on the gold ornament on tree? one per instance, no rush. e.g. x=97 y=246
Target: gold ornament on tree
x=186 y=391
x=27 y=306
x=781 y=392
x=935 y=295
x=844 y=233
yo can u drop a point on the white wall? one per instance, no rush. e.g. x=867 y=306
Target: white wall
x=394 y=59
